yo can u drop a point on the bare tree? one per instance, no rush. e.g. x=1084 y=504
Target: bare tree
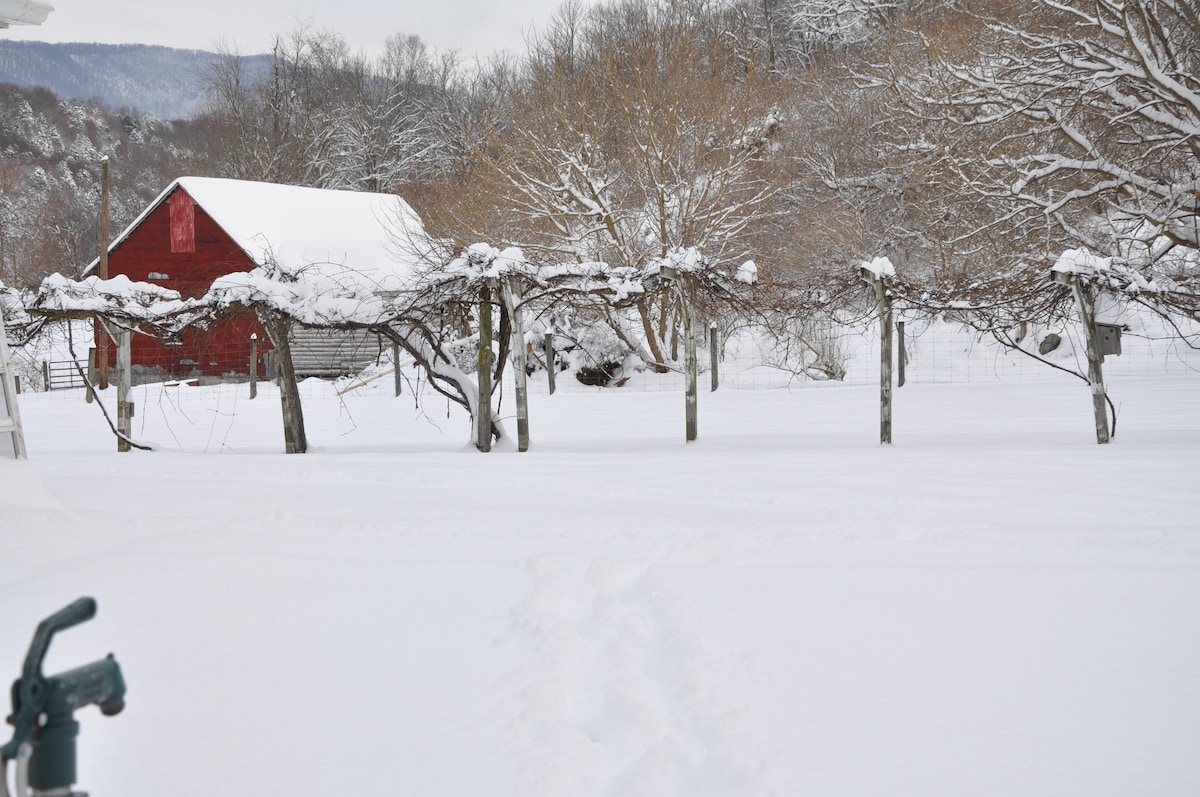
x=630 y=134
x=1093 y=109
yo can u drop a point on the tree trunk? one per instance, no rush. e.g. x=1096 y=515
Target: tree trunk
x=659 y=365
x=294 y=438
x=483 y=410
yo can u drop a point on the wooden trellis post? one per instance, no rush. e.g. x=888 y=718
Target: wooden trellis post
x=483 y=412
x=512 y=302
x=253 y=365
x=714 y=354
x=399 y=377
x=691 y=364
x=123 y=337
x=1085 y=300
x=550 y=365
x=878 y=280
x=687 y=301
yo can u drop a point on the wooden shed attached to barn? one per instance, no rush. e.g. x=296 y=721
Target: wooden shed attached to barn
x=200 y=228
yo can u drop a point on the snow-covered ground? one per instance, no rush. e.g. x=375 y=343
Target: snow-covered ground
x=993 y=605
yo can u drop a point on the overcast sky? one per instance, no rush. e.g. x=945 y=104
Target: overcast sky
x=471 y=26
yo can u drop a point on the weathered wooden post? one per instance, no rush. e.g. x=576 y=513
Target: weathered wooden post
x=686 y=284
x=550 y=365
x=902 y=359
x=876 y=273
x=102 y=343
x=483 y=412
x=253 y=365
x=691 y=365
x=1085 y=301
x=512 y=302
x=123 y=338
x=714 y=355
x=396 y=375
x=89 y=395
x=46 y=376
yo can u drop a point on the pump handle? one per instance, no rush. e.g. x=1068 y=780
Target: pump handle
x=77 y=612
x=30 y=692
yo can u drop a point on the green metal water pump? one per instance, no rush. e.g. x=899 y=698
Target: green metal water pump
x=44 y=726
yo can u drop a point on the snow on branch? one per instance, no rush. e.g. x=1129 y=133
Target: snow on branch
x=309 y=297
x=118 y=298
x=12 y=307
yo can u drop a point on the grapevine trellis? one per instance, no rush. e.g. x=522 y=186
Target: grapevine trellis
x=496 y=297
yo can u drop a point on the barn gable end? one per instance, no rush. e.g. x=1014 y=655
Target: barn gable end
x=179 y=246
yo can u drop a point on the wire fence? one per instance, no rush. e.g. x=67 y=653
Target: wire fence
x=928 y=351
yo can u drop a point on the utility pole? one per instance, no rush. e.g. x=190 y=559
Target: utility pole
x=102 y=342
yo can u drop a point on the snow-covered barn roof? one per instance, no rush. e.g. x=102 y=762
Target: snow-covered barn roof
x=372 y=238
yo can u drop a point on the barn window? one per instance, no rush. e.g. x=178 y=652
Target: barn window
x=183 y=223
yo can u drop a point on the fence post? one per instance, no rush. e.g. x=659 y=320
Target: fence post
x=550 y=367
x=902 y=358
x=396 y=366
x=714 y=353
x=46 y=375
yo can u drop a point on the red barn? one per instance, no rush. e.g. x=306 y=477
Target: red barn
x=200 y=229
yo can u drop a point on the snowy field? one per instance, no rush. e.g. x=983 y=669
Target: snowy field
x=993 y=605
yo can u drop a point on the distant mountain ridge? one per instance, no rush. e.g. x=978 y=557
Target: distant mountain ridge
x=163 y=81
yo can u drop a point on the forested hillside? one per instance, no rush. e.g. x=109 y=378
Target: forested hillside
x=50 y=159
x=163 y=81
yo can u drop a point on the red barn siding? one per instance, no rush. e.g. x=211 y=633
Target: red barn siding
x=148 y=255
